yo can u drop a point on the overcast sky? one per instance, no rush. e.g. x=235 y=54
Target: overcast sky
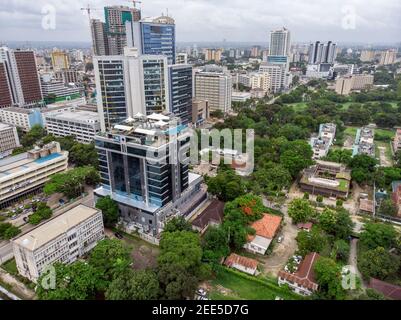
x=369 y=21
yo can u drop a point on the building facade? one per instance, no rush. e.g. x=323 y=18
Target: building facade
x=200 y=112
x=60 y=60
x=280 y=42
x=62 y=239
x=25 y=173
x=82 y=125
x=21 y=117
x=6 y=98
x=8 y=140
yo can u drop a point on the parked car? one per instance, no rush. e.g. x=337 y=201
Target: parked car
x=280 y=239
x=118 y=235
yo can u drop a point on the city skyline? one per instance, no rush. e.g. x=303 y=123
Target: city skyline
x=202 y=20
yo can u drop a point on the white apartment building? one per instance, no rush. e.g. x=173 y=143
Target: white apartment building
x=62 y=239
x=238 y=96
x=182 y=58
x=83 y=125
x=21 y=117
x=8 y=139
x=25 y=173
x=262 y=81
x=215 y=86
x=388 y=57
x=277 y=74
x=322 y=143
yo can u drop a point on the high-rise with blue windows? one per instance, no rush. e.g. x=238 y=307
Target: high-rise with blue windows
x=180 y=91
x=144 y=167
x=153 y=36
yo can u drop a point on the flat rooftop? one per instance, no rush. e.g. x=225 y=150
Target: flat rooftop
x=21 y=162
x=55 y=227
x=75 y=116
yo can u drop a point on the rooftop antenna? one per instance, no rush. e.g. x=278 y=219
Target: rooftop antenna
x=89 y=9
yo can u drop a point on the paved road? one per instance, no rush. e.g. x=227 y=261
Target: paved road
x=353 y=260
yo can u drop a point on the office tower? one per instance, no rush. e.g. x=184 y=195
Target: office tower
x=388 y=57
x=154 y=36
x=214 y=85
x=23 y=78
x=280 y=42
x=8 y=139
x=60 y=60
x=255 y=51
x=321 y=53
x=213 y=55
x=6 y=99
x=67 y=76
x=100 y=44
x=278 y=69
x=180 y=88
x=182 y=58
x=130 y=84
x=148 y=191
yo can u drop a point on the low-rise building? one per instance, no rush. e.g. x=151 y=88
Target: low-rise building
x=265 y=230
x=200 y=112
x=303 y=281
x=329 y=179
x=322 y=143
x=212 y=215
x=244 y=264
x=25 y=173
x=83 y=125
x=21 y=117
x=344 y=85
x=63 y=239
x=238 y=96
x=8 y=139
x=364 y=142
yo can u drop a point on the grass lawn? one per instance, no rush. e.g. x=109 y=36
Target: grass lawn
x=240 y=287
x=388 y=153
x=346 y=105
x=300 y=106
x=385 y=132
x=10 y=266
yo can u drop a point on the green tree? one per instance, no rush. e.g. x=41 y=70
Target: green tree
x=42 y=212
x=83 y=155
x=109 y=210
x=328 y=276
x=33 y=136
x=226 y=185
x=177 y=224
x=215 y=244
x=77 y=281
x=8 y=231
x=312 y=241
x=273 y=177
x=341 y=250
x=378 y=235
x=296 y=156
x=378 y=263
x=387 y=208
x=110 y=258
x=336 y=222
x=134 y=285
x=300 y=210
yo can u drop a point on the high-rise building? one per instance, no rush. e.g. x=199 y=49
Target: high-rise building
x=22 y=77
x=180 y=89
x=100 y=43
x=280 y=42
x=60 y=60
x=214 y=85
x=130 y=84
x=182 y=58
x=6 y=98
x=8 y=139
x=388 y=57
x=213 y=55
x=278 y=69
x=344 y=85
x=144 y=168
x=255 y=51
x=153 y=36
x=367 y=55
x=321 y=53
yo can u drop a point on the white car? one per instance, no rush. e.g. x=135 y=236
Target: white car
x=279 y=239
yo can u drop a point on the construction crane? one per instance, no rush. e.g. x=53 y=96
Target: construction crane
x=134 y=2
x=89 y=9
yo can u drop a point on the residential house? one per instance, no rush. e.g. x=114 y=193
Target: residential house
x=244 y=264
x=212 y=215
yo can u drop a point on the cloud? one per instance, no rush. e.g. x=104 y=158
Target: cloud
x=214 y=20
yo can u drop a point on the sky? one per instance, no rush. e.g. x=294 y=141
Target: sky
x=362 y=21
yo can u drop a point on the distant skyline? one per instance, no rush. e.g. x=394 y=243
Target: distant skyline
x=357 y=21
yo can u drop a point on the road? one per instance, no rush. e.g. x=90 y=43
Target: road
x=353 y=260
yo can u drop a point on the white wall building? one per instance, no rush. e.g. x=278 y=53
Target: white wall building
x=62 y=239
x=8 y=139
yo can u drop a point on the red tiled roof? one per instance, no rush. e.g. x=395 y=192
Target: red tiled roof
x=213 y=212
x=243 y=261
x=387 y=289
x=266 y=227
x=307 y=225
x=305 y=276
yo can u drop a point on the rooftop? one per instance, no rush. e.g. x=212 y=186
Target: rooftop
x=389 y=290
x=77 y=116
x=213 y=212
x=19 y=110
x=266 y=227
x=55 y=227
x=243 y=261
x=305 y=275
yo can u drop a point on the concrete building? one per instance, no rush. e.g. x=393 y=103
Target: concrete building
x=56 y=90
x=6 y=98
x=256 y=51
x=277 y=69
x=200 y=112
x=25 y=173
x=213 y=55
x=322 y=53
x=238 y=96
x=388 y=57
x=62 y=239
x=328 y=179
x=344 y=85
x=324 y=140
x=21 y=117
x=8 y=139
x=261 y=80
x=68 y=76
x=100 y=45
x=144 y=166
x=82 y=125
x=22 y=77
x=130 y=84
x=367 y=55
x=214 y=85
x=364 y=142
x=182 y=58
x=280 y=42
x=60 y=60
